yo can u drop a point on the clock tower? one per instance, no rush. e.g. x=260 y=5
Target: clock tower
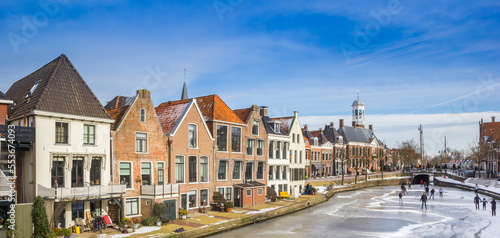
x=358 y=112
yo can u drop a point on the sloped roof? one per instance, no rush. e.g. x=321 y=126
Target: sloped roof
x=56 y=87
x=269 y=126
x=321 y=137
x=357 y=134
x=118 y=101
x=169 y=113
x=308 y=144
x=117 y=114
x=286 y=123
x=213 y=108
x=492 y=129
x=243 y=113
x=3 y=96
x=332 y=134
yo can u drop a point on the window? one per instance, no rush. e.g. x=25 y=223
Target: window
x=260 y=147
x=203 y=197
x=250 y=147
x=204 y=168
x=131 y=206
x=278 y=147
x=259 y=191
x=161 y=173
x=143 y=115
x=95 y=171
x=255 y=127
x=228 y=194
x=141 y=142
x=249 y=192
x=61 y=133
x=293 y=138
x=57 y=177
x=146 y=173
x=237 y=170
x=280 y=188
x=179 y=169
x=77 y=210
x=193 y=171
x=277 y=127
x=77 y=172
x=271 y=149
x=298 y=138
x=277 y=172
x=248 y=171
x=88 y=134
x=221 y=175
x=260 y=170
x=221 y=138
x=184 y=201
x=235 y=139
x=96 y=207
x=295 y=156
x=300 y=157
x=193 y=136
x=126 y=174
x=285 y=147
x=284 y=174
x=192 y=198
x=271 y=173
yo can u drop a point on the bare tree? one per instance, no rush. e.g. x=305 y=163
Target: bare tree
x=408 y=152
x=478 y=152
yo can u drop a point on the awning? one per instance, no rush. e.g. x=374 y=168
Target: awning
x=317 y=166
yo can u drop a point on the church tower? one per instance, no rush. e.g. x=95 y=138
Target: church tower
x=184 y=94
x=358 y=112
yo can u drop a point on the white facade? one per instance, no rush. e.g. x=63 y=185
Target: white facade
x=278 y=161
x=297 y=156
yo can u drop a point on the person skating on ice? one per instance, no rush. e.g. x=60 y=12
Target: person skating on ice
x=476 y=201
x=484 y=203
x=493 y=207
x=432 y=194
x=423 y=199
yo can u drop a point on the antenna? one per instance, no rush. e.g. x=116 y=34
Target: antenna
x=185 y=68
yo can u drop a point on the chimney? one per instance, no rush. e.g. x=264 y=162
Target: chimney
x=263 y=111
x=143 y=93
x=306 y=127
x=493 y=119
x=255 y=108
x=354 y=124
x=370 y=127
x=295 y=113
x=331 y=124
x=320 y=131
x=341 y=123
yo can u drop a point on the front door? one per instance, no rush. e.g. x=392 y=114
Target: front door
x=237 y=197
x=171 y=209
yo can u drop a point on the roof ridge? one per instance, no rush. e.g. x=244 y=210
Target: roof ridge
x=52 y=75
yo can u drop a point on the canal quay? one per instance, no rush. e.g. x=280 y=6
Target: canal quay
x=358 y=208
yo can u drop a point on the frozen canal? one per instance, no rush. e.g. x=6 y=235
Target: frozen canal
x=375 y=212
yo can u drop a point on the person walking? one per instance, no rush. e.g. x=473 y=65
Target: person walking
x=476 y=188
x=427 y=189
x=423 y=199
x=421 y=182
x=484 y=203
x=404 y=191
x=493 y=207
x=476 y=201
x=400 y=198
x=409 y=184
x=441 y=192
x=432 y=194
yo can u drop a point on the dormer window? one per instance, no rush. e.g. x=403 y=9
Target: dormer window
x=32 y=89
x=316 y=141
x=277 y=127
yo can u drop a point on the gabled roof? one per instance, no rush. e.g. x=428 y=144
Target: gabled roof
x=56 y=87
x=118 y=101
x=243 y=113
x=332 y=134
x=321 y=137
x=358 y=134
x=269 y=126
x=3 y=96
x=170 y=113
x=214 y=109
x=308 y=144
x=285 y=123
x=117 y=114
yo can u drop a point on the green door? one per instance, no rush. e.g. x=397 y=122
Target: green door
x=171 y=209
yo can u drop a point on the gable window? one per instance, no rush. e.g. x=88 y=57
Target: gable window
x=235 y=139
x=237 y=170
x=179 y=169
x=276 y=127
x=222 y=172
x=193 y=171
x=204 y=168
x=260 y=170
x=300 y=157
x=143 y=115
x=255 y=127
x=285 y=147
x=141 y=142
x=61 y=133
x=88 y=134
x=146 y=173
x=260 y=147
x=193 y=136
x=271 y=172
x=161 y=173
x=271 y=149
x=298 y=137
x=295 y=156
x=95 y=171
x=248 y=171
x=293 y=138
x=221 y=138
x=57 y=178
x=77 y=172
x=250 y=147
x=126 y=174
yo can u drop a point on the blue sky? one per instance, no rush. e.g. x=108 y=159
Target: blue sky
x=411 y=58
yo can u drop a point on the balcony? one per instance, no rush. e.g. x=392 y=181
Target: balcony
x=160 y=191
x=20 y=134
x=82 y=193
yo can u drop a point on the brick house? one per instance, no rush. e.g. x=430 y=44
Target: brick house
x=339 y=149
x=190 y=150
x=139 y=154
x=320 y=151
x=489 y=134
x=253 y=191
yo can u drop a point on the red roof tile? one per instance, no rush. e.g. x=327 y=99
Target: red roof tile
x=213 y=108
x=117 y=114
x=169 y=113
x=243 y=113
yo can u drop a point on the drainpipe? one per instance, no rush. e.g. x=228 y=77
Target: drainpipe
x=169 y=159
x=214 y=175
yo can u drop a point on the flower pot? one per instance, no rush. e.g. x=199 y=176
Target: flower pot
x=183 y=217
x=229 y=209
x=158 y=223
x=130 y=230
x=136 y=226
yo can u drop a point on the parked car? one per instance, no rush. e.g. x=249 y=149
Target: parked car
x=466 y=173
x=363 y=172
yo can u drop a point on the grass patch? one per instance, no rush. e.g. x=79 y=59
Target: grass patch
x=205 y=220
